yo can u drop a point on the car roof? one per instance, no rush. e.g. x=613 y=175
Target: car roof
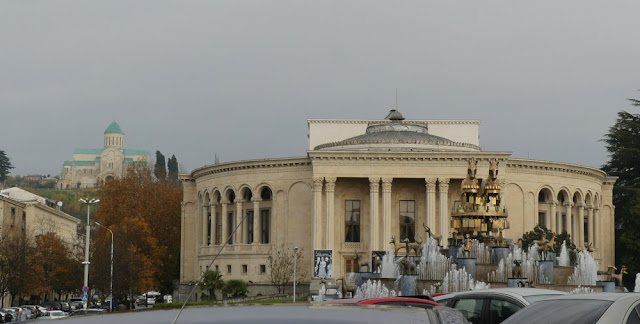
x=399 y=298
x=600 y=296
x=508 y=291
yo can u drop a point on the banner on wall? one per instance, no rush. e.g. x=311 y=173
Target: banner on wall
x=323 y=263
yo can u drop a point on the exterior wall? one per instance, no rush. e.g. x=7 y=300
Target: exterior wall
x=42 y=219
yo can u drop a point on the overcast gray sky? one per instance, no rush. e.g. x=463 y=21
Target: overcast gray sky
x=240 y=78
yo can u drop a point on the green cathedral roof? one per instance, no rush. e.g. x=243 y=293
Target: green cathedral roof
x=114 y=128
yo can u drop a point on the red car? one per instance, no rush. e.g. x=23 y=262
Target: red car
x=395 y=301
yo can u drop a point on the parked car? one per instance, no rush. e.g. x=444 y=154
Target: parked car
x=582 y=308
x=76 y=304
x=52 y=305
x=88 y=311
x=492 y=306
x=35 y=309
x=65 y=307
x=4 y=316
x=53 y=314
x=391 y=301
x=12 y=314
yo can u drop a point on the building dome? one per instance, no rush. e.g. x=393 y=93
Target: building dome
x=114 y=128
x=397 y=135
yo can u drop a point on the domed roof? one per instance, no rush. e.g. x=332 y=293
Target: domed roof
x=397 y=135
x=114 y=128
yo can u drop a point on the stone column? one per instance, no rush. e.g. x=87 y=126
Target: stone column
x=553 y=218
x=597 y=231
x=256 y=220
x=205 y=224
x=317 y=212
x=569 y=224
x=386 y=209
x=431 y=205
x=330 y=187
x=223 y=213
x=443 y=190
x=213 y=223
x=239 y=217
x=590 y=226
x=580 y=230
x=374 y=192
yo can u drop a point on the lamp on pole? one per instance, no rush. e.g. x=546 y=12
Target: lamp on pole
x=111 y=281
x=295 y=265
x=85 y=288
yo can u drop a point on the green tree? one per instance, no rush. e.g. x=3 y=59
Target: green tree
x=160 y=169
x=172 y=165
x=623 y=144
x=211 y=282
x=5 y=166
x=235 y=288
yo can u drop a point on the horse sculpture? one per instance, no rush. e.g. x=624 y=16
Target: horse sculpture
x=395 y=248
x=428 y=233
x=407 y=267
x=544 y=245
x=416 y=247
x=358 y=264
x=618 y=276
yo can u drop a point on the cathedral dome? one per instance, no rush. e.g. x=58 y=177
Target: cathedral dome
x=114 y=128
x=397 y=135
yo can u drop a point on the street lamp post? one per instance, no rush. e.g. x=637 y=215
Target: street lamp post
x=111 y=281
x=295 y=265
x=86 y=248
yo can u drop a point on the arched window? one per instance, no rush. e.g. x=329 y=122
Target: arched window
x=265 y=194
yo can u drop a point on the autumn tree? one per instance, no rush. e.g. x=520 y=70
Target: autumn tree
x=58 y=270
x=144 y=215
x=160 y=169
x=281 y=266
x=17 y=254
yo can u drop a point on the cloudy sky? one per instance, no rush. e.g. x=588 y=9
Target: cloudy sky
x=240 y=78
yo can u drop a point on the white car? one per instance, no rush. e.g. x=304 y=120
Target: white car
x=582 y=308
x=53 y=314
x=494 y=305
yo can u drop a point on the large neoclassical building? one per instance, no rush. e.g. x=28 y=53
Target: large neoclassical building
x=93 y=166
x=364 y=182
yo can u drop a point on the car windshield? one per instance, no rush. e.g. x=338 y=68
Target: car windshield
x=562 y=312
x=536 y=298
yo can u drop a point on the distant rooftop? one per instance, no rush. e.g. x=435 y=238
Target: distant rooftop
x=114 y=128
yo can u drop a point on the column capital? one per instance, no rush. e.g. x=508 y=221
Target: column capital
x=330 y=186
x=374 y=180
x=215 y=204
x=443 y=181
x=580 y=205
x=330 y=179
x=225 y=202
x=567 y=204
x=553 y=203
x=431 y=180
x=255 y=199
x=387 y=180
x=239 y=201
x=317 y=183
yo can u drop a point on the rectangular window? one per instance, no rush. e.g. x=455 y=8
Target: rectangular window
x=407 y=220
x=263 y=268
x=218 y=229
x=228 y=268
x=13 y=215
x=217 y=268
x=230 y=227
x=265 y=225
x=209 y=228
x=352 y=220
x=349 y=264
x=249 y=220
x=245 y=269
x=542 y=219
x=585 y=234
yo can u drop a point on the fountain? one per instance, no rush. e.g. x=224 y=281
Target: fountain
x=563 y=258
x=637 y=287
x=585 y=272
x=374 y=289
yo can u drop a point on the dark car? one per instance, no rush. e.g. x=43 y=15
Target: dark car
x=492 y=306
x=52 y=305
x=390 y=301
x=582 y=308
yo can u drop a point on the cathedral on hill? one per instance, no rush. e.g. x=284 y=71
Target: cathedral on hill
x=91 y=167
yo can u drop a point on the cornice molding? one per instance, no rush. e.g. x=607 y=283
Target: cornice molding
x=548 y=167
x=265 y=164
